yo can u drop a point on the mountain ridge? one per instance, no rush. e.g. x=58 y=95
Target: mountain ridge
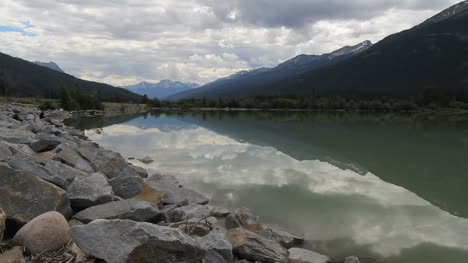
x=22 y=78
x=291 y=67
x=161 y=89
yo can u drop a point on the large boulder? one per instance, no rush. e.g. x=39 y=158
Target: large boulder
x=150 y=194
x=69 y=156
x=5 y=152
x=286 y=239
x=89 y=191
x=23 y=164
x=125 y=241
x=16 y=136
x=300 y=255
x=254 y=247
x=2 y=223
x=212 y=256
x=242 y=217
x=218 y=243
x=44 y=145
x=24 y=196
x=67 y=172
x=127 y=186
x=46 y=232
x=132 y=209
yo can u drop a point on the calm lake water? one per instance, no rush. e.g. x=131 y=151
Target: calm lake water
x=388 y=188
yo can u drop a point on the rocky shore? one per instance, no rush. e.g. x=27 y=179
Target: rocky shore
x=63 y=198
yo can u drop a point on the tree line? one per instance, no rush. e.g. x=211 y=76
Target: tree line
x=429 y=98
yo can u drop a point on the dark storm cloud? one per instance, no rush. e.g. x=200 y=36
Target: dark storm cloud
x=296 y=13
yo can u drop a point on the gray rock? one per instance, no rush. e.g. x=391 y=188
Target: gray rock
x=212 y=256
x=89 y=150
x=352 y=259
x=90 y=191
x=112 y=164
x=127 y=186
x=190 y=211
x=173 y=193
x=44 y=145
x=5 y=152
x=2 y=223
x=242 y=217
x=67 y=172
x=286 y=239
x=19 y=149
x=168 y=211
x=147 y=160
x=16 y=136
x=299 y=255
x=218 y=243
x=136 y=210
x=125 y=241
x=140 y=171
x=22 y=164
x=254 y=247
x=24 y=196
x=70 y=157
x=219 y=211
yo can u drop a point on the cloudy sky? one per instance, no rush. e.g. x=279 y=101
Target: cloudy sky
x=122 y=42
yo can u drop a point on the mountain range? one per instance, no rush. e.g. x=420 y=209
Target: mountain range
x=21 y=78
x=433 y=54
x=252 y=78
x=162 y=89
x=50 y=65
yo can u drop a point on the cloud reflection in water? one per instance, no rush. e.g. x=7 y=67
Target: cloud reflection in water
x=322 y=201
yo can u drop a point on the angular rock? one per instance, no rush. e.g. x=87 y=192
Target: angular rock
x=218 y=243
x=112 y=164
x=168 y=211
x=44 y=145
x=352 y=259
x=140 y=171
x=14 y=255
x=89 y=150
x=16 y=136
x=219 y=211
x=127 y=186
x=2 y=223
x=18 y=149
x=24 y=196
x=254 y=247
x=135 y=210
x=69 y=156
x=242 y=217
x=286 y=239
x=173 y=193
x=67 y=172
x=43 y=158
x=125 y=241
x=90 y=191
x=47 y=232
x=190 y=211
x=150 y=195
x=5 y=152
x=299 y=255
x=21 y=163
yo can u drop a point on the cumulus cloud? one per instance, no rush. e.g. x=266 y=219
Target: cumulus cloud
x=123 y=42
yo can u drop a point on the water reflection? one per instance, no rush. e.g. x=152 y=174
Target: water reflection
x=340 y=211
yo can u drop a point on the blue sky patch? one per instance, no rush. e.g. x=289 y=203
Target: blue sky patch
x=19 y=30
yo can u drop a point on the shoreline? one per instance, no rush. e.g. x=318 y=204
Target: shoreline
x=98 y=189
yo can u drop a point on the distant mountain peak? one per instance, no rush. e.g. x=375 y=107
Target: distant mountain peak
x=162 y=89
x=50 y=65
x=459 y=9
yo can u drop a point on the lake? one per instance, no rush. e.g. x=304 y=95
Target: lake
x=385 y=187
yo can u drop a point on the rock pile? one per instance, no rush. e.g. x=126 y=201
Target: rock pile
x=51 y=174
